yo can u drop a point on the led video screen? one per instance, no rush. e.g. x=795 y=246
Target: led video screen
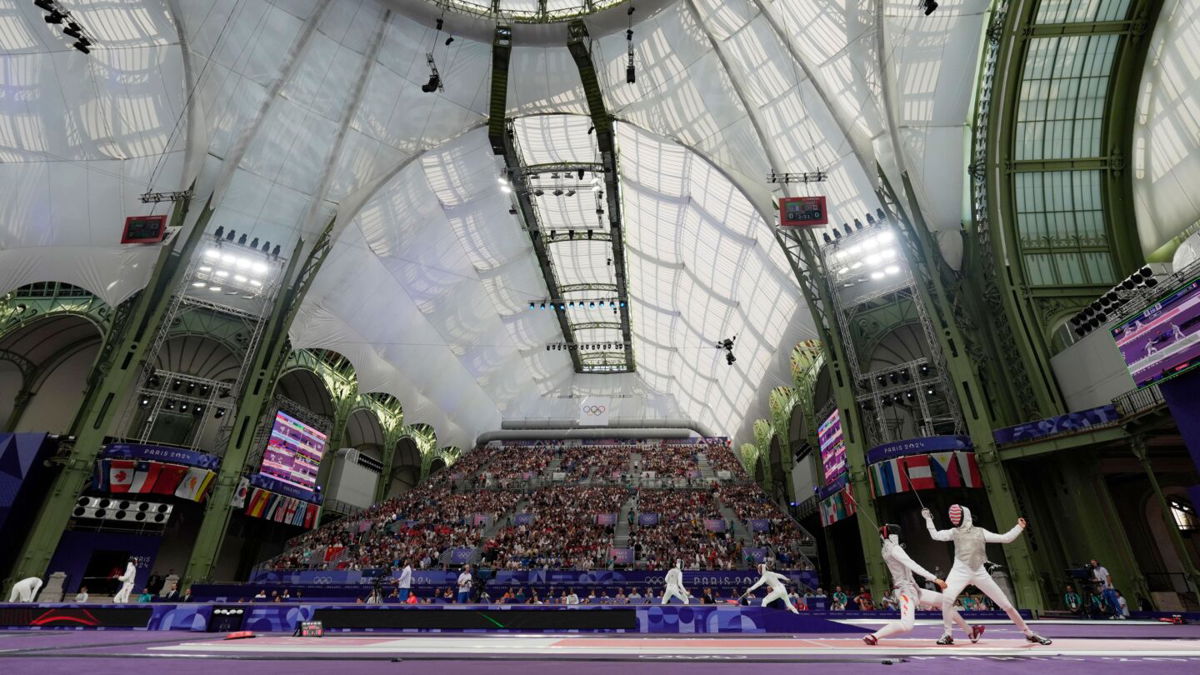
x=293 y=453
x=1163 y=340
x=833 y=446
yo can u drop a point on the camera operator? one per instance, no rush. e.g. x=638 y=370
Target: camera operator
x=1104 y=584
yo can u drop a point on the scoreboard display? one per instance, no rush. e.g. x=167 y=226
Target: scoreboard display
x=802 y=212
x=144 y=229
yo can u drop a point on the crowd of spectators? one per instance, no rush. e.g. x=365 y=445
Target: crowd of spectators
x=670 y=461
x=681 y=533
x=749 y=502
x=721 y=457
x=602 y=462
x=424 y=525
x=564 y=532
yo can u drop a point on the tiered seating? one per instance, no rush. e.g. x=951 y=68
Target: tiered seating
x=424 y=525
x=681 y=533
x=564 y=532
x=749 y=502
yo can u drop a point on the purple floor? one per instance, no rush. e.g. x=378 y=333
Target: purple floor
x=128 y=653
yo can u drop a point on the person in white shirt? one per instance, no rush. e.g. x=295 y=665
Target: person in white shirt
x=82 y=596
x=909 y=595
x=634 y=598
x=1104 y=583
x=404 y=584
x=675 y=587
x=572 y=599
x=464 y=585
x=970 y=553
x=25 y=590
x=126 y=580
x=775 y=582
x=1124 y=605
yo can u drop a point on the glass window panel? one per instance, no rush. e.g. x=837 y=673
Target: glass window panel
x=1061 y=228
x=1062 y=97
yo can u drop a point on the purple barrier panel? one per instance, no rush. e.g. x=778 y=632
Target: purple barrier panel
x=714 y=524
x=523 y=519
x=606 y=519
x=647 y=519
x=760 y=525
x=621 y=556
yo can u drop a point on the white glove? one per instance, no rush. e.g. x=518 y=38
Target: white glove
x=926 y=514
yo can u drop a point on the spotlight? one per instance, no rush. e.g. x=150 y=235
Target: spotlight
x=847 y=229
x=449 y=40
x=571 y=192
x=230 y=235
x=183 y=407
x=929 y=6
x=896 y=398
x=539 y=192
x=543 y=306
x=729 y=358
x=827 y=238
x=73 y=30
x=929 y=391
x=220 y=231
x=557 y=192
x=45 y=4
x=191 y=387
x=82 y=45
x=837 y=234
x=886 y=401
x=254 y=243
x=220 y=413
x=531 y=305
x=910 y=395
x=275 y=251
x=55 y=16
x=904 y=375
x=895 y=377
x=630 y=74
x=882 y=379
x=858 y=223
x=580 y=174
x=242 y=240
x=198 y=410
x=924 y=369
x=175 y=385
x=435 y=81
x=144 y=402
x=1151 y=282
x=169 y=405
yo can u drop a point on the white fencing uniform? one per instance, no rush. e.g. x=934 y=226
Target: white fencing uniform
x=126 y=580
x=775 y=582
x=970 y=553
x=908 y=594
x=674 y=585
x=25 y=590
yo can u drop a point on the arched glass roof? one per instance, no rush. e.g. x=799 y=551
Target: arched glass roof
x=294 y=111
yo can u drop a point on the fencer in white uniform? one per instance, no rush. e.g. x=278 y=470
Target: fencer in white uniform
x=970 y=553
x=775 y=582
x=908 y=594
x=674 y=582
x=25 y=590
x=126 y=580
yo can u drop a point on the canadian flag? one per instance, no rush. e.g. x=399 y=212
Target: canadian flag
x=120 y=475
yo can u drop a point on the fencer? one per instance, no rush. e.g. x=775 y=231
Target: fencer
x=775 y=582
x=126 y=579
x=908 y=594
x=674 y=582
x=970 y=553
x=25 y=590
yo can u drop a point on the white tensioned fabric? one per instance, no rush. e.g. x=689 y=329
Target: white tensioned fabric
x=340 y=120
x=1166 y=142
x=703 y=265
x=427 y=293
x=80 y=138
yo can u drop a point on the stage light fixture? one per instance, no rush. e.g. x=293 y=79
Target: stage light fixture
x=54 y=16
x=44 y=4
x=929 y=6
x=144 y=402
x=73 y=30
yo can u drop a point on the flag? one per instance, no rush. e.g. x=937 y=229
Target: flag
x=100 y=481
x=271 y=505
x=944 y=470
x=120 y=474
x=258 y=501
x=239 y=495
x=916 y=472
x=193 y=483
x=169 y=478
x=594 y=411
x=970 y=470
x=310 y=516
x=144 y=477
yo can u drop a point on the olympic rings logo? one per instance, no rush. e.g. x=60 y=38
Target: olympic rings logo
x=594 y=410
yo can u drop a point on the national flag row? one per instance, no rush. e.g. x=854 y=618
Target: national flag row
x=837 y=506
x=281 y=508
x=954 y=469
x=129 y=476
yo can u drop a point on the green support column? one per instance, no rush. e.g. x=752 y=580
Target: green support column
x=1109 y=544
x=925 y=260
x=116 y=372
x=253 y=403
x=1139 y=449
x=345 y=396
x=820 y=300
x=20 y=403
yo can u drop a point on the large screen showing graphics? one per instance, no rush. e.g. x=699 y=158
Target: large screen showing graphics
x=1164 y=339
x=294 y=452
x=833 y=446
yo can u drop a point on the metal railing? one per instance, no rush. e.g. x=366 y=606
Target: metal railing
x=1139 y=401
